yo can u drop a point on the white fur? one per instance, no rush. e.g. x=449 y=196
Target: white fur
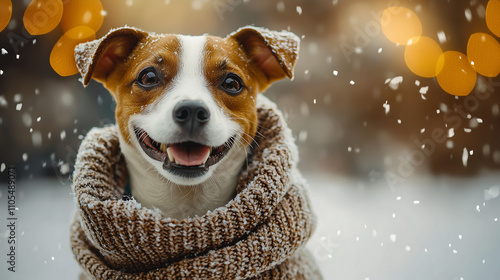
x=154 y=187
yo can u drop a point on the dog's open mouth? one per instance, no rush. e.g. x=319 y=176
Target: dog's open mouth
x=187 y=159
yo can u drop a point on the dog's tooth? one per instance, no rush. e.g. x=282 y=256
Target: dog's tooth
x=207 y=156
x=170 y=156
x=163 y=147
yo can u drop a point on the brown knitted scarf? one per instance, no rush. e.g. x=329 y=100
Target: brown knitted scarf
x=260 y=234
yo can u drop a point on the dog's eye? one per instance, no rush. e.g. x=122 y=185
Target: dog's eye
x=232 y=84
x=148 y=78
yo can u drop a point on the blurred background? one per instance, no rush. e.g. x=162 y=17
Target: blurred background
x=359 y=115
x=335 y=105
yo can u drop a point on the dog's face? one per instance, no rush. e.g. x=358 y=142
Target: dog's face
x=185 y=102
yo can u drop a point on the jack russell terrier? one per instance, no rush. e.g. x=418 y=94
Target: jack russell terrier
x=186 y=108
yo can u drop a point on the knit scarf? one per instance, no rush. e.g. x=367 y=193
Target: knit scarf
x=259 y=234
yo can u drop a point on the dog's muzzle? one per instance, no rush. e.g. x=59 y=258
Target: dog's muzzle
x=188 y=158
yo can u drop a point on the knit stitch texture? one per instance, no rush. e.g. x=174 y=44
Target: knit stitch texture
x=259 y=234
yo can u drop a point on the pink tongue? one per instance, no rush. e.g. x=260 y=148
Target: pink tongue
x=189 y=155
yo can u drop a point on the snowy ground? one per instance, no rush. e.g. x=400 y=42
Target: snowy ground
x=427 y=228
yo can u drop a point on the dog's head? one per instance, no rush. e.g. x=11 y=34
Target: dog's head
x=184 y=102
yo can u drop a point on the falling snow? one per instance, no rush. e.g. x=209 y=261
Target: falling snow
x=392 y=237
x=491 y=193
x=442 y=37
x=280 y=6
x=64 y=168
x=299 y=10
x=451 y=132
x=465 y=157
x=387 y=107
x=3 y=101
x=18 y=97
x=394 y=82
x=468 y=15
x=481 y=11
x=36 y=139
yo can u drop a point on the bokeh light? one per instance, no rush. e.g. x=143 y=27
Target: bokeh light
x=400 y=24
x=484 y=53
x=422 y=56
x=5 y=13
x=42 y=16
x=62 y=56
x=493 y=16
x=88 y=13
x=457 y=76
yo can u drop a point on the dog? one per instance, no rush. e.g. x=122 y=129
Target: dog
x=186 y=108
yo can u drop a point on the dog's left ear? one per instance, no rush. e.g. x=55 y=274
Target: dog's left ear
x=275 y=53
x=97 y=59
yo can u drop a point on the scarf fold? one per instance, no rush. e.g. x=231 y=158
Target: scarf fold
x=259 y=234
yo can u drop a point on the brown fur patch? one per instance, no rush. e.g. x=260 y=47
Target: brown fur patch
x=158 y=51
x=223 y=56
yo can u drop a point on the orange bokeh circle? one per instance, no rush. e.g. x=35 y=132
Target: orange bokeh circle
x=493 y=16
x=457 y=76
x=422 y=57
x=62 y=57
x=484 y=53
x=400 y=24
x=42 y=16
x=77 y=13
x=5 y=13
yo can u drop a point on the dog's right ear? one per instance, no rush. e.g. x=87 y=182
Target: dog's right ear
x=97 y=59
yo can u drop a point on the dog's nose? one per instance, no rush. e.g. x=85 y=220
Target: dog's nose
x=191 y=114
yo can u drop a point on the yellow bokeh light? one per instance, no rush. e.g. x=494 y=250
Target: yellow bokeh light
x=5 y=13
x=77 y=13
x=457 y=76
x=493 y=16
x=484 y=53
x=422 y=57
x=400 y=24
x=42 y=16
x=62 y=57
